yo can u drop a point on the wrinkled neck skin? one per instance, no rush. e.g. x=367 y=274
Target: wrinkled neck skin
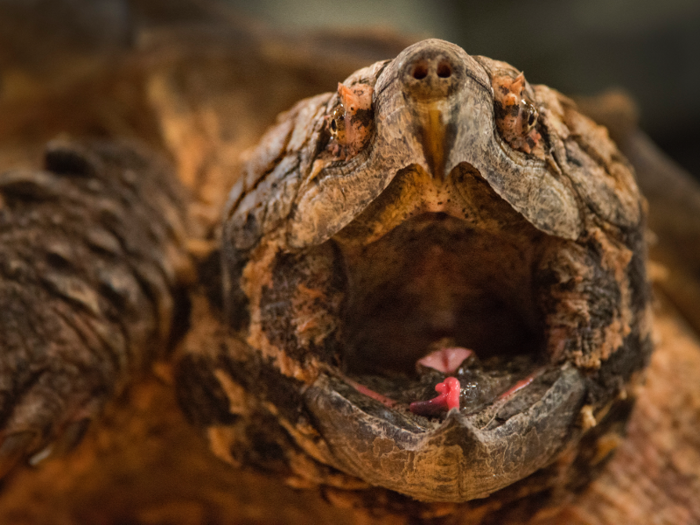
x=475 y=215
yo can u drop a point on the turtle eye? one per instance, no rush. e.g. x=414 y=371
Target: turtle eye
x=337 y=124
x=530 y=114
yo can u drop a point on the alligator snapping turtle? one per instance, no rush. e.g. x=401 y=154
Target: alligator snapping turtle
x=436 y=218
x=416 y=214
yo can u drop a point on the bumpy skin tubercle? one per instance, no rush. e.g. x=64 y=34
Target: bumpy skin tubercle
x=350 y=123
x=521 y=240
x=516 y=116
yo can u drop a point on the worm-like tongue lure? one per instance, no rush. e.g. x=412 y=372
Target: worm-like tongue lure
x=447 y=400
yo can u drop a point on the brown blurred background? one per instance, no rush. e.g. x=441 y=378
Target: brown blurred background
x=651 y=49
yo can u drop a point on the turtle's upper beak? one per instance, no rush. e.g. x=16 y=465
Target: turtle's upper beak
x=432 y=80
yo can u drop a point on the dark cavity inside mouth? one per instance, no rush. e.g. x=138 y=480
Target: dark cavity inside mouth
x=435 y=281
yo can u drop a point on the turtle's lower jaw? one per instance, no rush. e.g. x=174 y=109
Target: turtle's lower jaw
x=458 y=458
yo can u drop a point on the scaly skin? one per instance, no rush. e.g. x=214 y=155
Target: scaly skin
x=88 y=273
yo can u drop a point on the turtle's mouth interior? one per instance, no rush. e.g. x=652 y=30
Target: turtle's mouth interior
x=447 y=279
x=433 y=279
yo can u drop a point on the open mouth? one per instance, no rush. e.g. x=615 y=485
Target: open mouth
x=435 y=319
x=442 y=294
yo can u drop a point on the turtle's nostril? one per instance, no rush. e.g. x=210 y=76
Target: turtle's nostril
x=420 y=71
x=444 y=69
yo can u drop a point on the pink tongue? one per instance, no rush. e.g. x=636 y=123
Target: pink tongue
x=447 y=400
x=446 y=360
